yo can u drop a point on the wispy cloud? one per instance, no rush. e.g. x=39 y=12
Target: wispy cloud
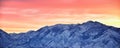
x=17 y=0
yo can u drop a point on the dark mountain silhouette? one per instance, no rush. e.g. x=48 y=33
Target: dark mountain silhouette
x=87 y=35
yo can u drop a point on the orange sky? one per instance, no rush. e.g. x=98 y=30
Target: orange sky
x=21 y=16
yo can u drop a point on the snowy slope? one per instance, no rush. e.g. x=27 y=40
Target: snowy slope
x=87 y=35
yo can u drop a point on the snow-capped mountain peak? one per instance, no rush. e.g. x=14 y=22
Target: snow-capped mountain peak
x=90 y=34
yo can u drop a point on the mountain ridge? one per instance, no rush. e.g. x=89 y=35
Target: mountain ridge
x=88 y=22
x=87 y=35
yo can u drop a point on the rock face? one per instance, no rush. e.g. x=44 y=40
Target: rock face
x=87 y=35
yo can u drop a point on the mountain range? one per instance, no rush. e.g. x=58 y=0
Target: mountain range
x=91 y=34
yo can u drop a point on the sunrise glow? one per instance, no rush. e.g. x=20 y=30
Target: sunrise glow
x=20 y=16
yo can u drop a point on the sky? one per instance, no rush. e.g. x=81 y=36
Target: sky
x=17 y=16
